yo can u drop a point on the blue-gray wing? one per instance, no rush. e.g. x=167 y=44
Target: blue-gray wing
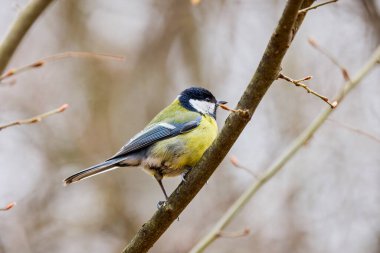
x=155 y=133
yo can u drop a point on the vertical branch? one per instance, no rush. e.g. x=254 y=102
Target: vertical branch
x=19 y=28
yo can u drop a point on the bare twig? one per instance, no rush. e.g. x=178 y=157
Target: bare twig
x=235 y=162
x=19 y=28
x=243 y=113
x=35 y=119
x=356 y=130
x=235 y=234
x=60 y=56
x=326 y=53
x=279 y=163
x=267 y=71
x=299 y=84
x=316 y=6
x=7 y=207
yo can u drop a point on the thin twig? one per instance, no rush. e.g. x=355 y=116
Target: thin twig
x=243 y=113
x=356 y=130
x=299 y=84
x=60 y=56
x=343 y=70
x=235 y=162
x=36 y=118
x=235 y=234
x=316 y=6
x=8 y=206
x=279 y=163
x=19 y=28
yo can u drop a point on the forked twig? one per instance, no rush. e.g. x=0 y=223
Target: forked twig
x=36 y=118
x=299 y=83
x=316 y=6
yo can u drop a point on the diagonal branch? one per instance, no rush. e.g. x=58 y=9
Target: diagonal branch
x=35 y=119
x=278 y=164
x=19 y=28
x=264 y=76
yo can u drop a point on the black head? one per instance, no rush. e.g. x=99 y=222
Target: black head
x=199 y=100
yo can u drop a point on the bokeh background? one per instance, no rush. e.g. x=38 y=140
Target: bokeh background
x=326 y=199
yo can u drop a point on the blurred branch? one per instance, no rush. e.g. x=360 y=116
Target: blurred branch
x=35 y=119
x=7 y=207
x=60 y=56
x=356 y=130
x=19 y=28
x=372 y=15
x=285 y=157
x=224 y=234
x=316 y=6
x=299 y=84
x=266 y=73
x=326 y=53
x=195 y=2
x=235 y=162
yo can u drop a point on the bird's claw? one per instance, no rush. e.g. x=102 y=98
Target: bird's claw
x=161 y=204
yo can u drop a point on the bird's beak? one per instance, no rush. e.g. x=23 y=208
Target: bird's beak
x=221 y=102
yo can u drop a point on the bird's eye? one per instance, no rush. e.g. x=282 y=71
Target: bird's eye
x=208 y=99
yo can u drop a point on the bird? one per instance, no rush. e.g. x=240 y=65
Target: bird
x=171 y=144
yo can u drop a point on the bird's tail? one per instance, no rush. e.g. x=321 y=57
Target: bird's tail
x=94 y=170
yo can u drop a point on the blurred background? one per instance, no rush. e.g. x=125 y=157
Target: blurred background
x=326 y=199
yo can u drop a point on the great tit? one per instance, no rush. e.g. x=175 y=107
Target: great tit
x=172 y=143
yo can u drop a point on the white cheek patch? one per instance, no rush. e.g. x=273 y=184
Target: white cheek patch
x=202 y=106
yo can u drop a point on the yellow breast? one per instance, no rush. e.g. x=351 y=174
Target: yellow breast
x=183 y=151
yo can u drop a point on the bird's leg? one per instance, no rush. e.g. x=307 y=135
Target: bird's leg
x=158 y=177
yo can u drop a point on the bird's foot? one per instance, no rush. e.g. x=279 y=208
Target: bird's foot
x=183 y=175
x=161 y=204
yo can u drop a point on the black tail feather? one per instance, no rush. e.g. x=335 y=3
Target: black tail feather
x=92 y=171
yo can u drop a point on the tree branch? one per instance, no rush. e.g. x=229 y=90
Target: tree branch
x=55 y=57
x=264 y=76
x=302 y=85
x=35 y=119
x=298 y=143
x=314 y=44
x=316 y=6
x=19 y=28
x=355 y=130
